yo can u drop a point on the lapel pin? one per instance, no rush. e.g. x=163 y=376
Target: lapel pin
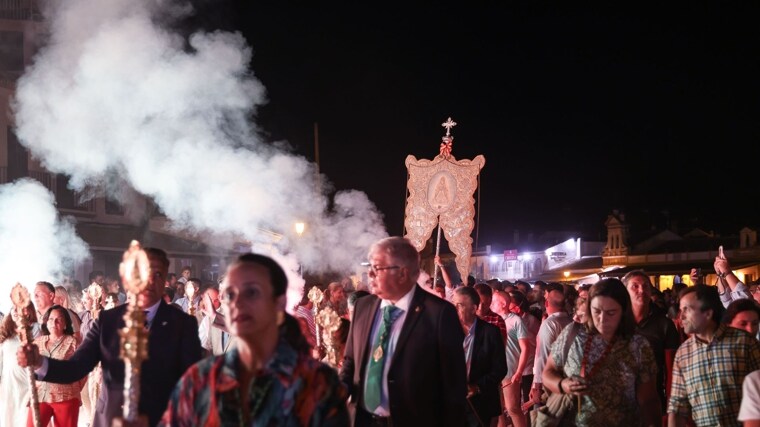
x=164 y=323
x=417 y=309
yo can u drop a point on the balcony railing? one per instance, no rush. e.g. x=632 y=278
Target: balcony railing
x=65 y=198
x=20 y=10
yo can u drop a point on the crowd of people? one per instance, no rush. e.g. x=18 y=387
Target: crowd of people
x=402 y=352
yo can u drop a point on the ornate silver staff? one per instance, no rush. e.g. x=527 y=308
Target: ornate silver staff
x=20 y=298
x=190 y=293
x=134 y=270
x=329 y=320
x=315 y=296
x=95 y=293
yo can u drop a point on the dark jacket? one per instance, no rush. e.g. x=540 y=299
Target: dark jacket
x=426 y=378
x=172 y=347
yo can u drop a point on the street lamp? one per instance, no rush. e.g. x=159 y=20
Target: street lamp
x=300 y=227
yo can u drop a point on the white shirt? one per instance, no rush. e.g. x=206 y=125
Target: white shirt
x=151 y=313
x=750 y=407
x=204 y=331
x=403 y=303
x=547 y=334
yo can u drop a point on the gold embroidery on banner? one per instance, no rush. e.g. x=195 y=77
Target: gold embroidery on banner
x=443 y=187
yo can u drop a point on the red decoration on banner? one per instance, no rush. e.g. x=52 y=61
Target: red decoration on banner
x=446 y=147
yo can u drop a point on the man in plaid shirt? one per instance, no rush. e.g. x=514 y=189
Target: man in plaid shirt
x=711 y=364
x=484 y=309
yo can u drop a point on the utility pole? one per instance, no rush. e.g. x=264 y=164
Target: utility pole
x=316 y=155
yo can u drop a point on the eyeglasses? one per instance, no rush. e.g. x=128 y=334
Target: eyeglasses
x=375 y=270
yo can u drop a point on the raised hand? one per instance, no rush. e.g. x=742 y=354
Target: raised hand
x=28 y=355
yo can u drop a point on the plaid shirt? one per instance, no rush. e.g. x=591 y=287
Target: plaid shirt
x=707 y=377
x=497 y=321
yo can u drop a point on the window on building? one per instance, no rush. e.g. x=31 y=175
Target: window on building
x=11 y=52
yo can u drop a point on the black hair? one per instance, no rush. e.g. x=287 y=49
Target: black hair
x=276 y=274
x=158 y=254
x=68 y=330
x=615 y=289
x=484 y=290
x=469 y=292
x=355 y=295
x=738 y=306
x=93 y=274
x=708 y=299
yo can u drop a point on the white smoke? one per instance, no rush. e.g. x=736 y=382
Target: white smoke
x=36 y=244
x=111 y=94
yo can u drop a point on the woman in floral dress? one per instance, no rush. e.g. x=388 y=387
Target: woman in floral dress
x=609 y=371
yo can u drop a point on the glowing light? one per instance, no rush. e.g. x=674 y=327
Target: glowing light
x=566 y=274
x=494 y=259
x=300 y=227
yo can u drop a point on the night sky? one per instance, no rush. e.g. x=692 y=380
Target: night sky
x=577 y=111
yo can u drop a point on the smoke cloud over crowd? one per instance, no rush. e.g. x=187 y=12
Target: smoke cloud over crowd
x=35 y=242
x=113 y=96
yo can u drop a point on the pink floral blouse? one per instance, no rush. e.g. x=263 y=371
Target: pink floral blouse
x=50 y=392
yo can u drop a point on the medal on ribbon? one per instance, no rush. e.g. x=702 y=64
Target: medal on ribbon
x=378 y=354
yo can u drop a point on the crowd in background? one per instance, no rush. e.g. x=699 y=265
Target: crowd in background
x=617 y=352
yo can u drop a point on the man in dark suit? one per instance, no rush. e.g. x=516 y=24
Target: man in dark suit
x=172 y=347
x=485 y=358
x=404 y=364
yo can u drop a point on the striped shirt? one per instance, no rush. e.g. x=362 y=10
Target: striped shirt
x=707 y=377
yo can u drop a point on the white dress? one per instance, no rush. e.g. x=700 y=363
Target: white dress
x=14 y=385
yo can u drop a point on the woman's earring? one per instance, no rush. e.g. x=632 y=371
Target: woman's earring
x=280 y=317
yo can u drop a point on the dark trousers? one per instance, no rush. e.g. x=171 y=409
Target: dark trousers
x=525 y=385
x=365 y=419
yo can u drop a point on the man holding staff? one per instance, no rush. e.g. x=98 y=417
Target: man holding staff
x=173 y=346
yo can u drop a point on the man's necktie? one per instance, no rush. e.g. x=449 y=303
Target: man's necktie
x=377 y=356
x=145 y=313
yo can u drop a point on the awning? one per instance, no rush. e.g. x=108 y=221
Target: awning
x=579 y=270
x=675 y=269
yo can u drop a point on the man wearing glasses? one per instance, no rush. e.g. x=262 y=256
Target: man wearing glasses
x=404 y=360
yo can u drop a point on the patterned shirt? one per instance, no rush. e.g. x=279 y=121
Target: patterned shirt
x=63 y=349
x=497 y=321
x=613 y=378
x=707 y=377
x=292 y=390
